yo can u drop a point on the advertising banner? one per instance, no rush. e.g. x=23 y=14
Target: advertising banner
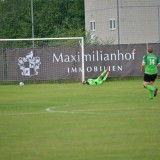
x=62 y=63
x=122 y=60
x=48 y=63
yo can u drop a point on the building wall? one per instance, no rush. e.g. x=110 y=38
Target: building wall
x=138 y=20
x=100 y=11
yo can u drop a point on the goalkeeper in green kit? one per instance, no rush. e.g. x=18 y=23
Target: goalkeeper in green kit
x=150 y=65
x=98 y=80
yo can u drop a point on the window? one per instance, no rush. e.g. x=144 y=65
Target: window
x=112 y=24
x=92 y=25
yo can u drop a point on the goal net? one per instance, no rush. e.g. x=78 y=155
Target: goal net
x=42 y=60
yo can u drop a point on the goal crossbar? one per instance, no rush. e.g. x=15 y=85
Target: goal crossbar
x=39 y=39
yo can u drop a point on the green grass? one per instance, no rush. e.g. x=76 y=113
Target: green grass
x=114 y=121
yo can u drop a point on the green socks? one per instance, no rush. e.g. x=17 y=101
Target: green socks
x=151 y=94
x=151 y=91
x=149 y=87
x=104 y=72
x=105 y=77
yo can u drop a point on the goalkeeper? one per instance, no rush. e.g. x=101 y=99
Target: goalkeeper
x=98 y=80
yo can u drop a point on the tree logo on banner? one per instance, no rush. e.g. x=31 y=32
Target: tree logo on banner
x=29 y=64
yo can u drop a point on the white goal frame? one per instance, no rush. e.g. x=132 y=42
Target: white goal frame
x=63 y=38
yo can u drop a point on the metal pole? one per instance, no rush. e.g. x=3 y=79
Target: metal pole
x=118 y=33
x=83 y=69
x=32 y=18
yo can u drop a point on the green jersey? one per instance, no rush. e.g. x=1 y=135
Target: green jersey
x=151 y=61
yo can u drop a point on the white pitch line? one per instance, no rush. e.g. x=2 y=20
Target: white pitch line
x=21 y=114
x=51 y=109
x=86 y=111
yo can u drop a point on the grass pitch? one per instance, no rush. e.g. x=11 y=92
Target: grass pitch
x=114 y=121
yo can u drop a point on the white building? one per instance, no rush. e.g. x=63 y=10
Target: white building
x=123 y=21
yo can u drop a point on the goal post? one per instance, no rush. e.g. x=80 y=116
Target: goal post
x=42 y=59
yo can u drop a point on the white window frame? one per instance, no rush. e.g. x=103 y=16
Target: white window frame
x=93 y=25
x=112 y=24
